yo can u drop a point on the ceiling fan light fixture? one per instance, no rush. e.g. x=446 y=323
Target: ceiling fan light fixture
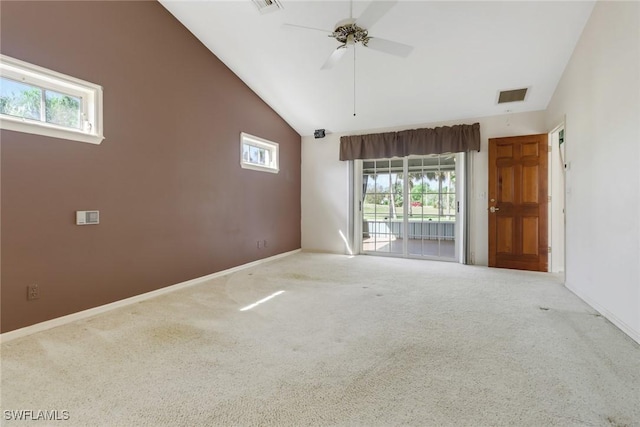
x=348 y=33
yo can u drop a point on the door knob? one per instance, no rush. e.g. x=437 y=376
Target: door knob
x=493 y=209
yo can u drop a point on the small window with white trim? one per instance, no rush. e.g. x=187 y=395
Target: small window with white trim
x=258 y=153
x=43 y=102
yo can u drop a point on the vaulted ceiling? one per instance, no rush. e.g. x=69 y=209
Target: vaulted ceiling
x=463 y=54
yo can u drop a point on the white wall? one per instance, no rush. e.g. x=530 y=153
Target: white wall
x=600 y=95
x=324 y=195
x=325 y=183
x=556 y=207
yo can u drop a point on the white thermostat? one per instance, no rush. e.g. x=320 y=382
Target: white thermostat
x=87 y=217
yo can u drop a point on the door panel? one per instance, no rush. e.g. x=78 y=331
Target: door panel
x=410 y=206
x=530 y=228
x=530 y=184
x=504 y=151
x=518 y=202
x=530 y=150
x=505 y=176
x=505 y=235
x=383 y=208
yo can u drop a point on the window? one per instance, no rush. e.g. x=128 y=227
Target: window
x=258 y=154
x=43 y=102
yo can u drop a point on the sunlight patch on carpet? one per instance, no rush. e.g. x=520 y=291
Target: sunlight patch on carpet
x=257 y=303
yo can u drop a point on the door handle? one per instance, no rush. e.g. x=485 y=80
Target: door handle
x=493 y=209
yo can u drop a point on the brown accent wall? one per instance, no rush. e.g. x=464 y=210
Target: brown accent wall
x=174 y=203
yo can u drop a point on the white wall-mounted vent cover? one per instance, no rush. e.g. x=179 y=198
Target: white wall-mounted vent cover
x=266 y=6
x=514 y=95
x=87 y=217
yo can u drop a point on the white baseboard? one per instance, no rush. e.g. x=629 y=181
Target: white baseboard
x=327 y=252
x=634 y=334
x=59 y=321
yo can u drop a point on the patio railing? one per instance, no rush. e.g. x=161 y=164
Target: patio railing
x=428 y=230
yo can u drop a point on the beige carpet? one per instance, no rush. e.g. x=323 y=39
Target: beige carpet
x=360 y=341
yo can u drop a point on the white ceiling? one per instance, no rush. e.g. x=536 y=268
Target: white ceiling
x=464 y=53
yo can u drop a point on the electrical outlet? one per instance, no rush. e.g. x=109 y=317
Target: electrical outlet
x=33 y=292
x=258 y=244
x=264 y=243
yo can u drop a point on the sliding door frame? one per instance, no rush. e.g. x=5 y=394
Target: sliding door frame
x=463 y=171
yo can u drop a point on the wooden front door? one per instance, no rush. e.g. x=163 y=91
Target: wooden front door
x=518 y=202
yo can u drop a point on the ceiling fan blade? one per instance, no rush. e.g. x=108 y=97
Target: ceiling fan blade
x=387 y=46
x=302 y=27
x=334 y=58
x=375 y=11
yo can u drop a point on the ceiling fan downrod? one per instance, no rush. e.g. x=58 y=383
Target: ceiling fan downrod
x=354 y=81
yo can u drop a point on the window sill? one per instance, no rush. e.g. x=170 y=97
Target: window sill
x=259 y=168
x=19 y=125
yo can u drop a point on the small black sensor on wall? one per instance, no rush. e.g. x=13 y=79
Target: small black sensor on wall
x=319 y=133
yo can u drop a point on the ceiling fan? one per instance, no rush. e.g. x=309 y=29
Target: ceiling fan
x=350 y=31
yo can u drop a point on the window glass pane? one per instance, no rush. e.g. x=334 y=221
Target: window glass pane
x=62 y=109
x=19 y=99
x=253 y=154
x=245 y=152
x=368 y=166
x=396 y=165
x=415 y=164
x=446 y=181
x=371 y=183
x=433 y=180
x=382 y=183
x=256 y=155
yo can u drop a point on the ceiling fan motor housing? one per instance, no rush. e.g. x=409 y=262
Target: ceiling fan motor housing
x=347 y=32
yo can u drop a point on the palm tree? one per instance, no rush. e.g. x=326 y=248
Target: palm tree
x=395 y=191
x=439 y=175
x=431 y=176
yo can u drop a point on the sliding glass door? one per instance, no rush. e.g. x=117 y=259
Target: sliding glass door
x=383 y=206
x=409 y=207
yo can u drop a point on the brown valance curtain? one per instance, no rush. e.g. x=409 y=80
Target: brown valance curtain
x=445 y=139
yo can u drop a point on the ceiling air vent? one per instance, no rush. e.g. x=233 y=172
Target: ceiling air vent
x=266 y=6
x=512 y=95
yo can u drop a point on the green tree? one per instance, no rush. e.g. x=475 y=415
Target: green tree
x=418 y=192
x=441 y=176
x=25 y=103
x=62 y=110
x=376 y=197
x=396 y=195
